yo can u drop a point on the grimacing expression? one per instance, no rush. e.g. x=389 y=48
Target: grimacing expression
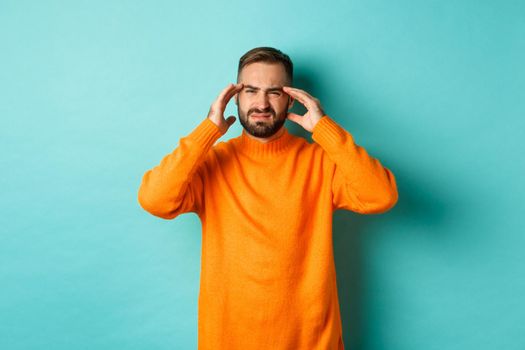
x=262 y=105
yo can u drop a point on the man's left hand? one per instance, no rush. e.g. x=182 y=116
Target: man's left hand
x=313 y=106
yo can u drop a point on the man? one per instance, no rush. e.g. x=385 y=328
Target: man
x=265 y=200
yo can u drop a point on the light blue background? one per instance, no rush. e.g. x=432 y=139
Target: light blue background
x=94 y=93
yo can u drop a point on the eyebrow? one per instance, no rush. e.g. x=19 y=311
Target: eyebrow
x=275 y=88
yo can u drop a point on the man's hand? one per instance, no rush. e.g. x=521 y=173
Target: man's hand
x=216 y=113
x=313 y=106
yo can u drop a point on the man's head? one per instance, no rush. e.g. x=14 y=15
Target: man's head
x=262 y=105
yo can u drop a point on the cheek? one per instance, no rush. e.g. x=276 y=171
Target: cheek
x=245 y=100
x=280 y=103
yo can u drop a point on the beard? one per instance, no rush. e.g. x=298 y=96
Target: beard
x=262 y=128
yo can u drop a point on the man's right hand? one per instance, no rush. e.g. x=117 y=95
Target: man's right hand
x=216 y=113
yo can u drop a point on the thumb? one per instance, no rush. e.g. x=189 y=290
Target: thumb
x=230 y=120
x=295 y=118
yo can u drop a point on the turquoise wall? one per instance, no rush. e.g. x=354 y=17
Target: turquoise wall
x=94 y=93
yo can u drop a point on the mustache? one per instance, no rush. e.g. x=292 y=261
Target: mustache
x=261 y=111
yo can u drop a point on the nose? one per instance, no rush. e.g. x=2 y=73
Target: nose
x=262 y=102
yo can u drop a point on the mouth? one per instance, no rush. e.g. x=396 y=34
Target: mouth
x=261 y=116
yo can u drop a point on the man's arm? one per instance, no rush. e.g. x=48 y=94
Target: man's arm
x=176 y=185
x=360 y=182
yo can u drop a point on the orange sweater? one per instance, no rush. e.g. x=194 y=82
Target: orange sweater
x=268 y=277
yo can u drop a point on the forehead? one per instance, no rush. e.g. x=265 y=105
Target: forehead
x=263 y=73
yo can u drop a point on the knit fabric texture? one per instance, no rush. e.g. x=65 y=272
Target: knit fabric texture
x=268 y=278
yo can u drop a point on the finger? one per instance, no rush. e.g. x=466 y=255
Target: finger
x=230 y=120
x=294 y=95
x=300 y=96
x=298 y=90
x=295 y=117
x=302 y=93
x=234 y=88
x=227 y=91
x=224 y=91
x=233 y=91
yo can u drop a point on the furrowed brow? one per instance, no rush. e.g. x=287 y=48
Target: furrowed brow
x=276 y=88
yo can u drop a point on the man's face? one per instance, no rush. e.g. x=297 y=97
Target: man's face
x=262 y=105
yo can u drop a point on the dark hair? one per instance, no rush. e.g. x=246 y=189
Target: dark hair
x=269 y=55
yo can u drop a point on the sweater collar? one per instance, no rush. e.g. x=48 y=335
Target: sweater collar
x=251 y=146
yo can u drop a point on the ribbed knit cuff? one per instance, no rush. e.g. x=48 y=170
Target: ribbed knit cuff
x=329 y=134
x=206 y=133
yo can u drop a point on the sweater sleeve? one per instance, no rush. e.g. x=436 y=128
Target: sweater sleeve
x=360 y=183
x=175 y=186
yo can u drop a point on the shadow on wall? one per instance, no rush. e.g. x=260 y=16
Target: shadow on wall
x=418 y=204
x=347 y=230
x=347 y=227
x=303 y=81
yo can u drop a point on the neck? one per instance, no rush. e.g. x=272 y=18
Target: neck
x=265 y=148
